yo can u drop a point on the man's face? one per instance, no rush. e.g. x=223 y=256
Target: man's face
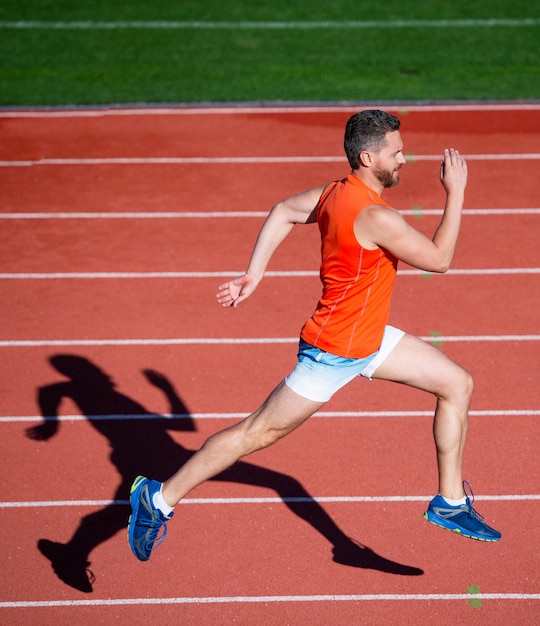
x=389 y=160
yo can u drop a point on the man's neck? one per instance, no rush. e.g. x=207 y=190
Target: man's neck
x=369 y=181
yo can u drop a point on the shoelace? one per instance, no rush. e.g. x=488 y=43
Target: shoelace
x=472 y=511
x=153 y=538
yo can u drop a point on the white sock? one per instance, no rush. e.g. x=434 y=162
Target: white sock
x=454 y=502
x=159 y=503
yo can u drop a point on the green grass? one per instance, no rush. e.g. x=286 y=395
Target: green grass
x=187 y=65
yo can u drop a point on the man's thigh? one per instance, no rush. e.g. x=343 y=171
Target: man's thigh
x=283 y=411
x=418 y=364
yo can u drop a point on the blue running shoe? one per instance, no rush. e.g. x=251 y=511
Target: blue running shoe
x=146 y=521
x=462 y=519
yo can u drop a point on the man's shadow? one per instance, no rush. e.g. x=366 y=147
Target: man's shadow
x=141 y=444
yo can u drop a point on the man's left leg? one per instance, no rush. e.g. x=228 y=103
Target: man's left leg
x=416 y=363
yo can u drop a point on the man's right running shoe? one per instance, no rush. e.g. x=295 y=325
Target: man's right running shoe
x=146 y=521
x=462 y=519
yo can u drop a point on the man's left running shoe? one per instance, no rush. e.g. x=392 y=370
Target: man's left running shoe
x=462 y=519
x=146 y=521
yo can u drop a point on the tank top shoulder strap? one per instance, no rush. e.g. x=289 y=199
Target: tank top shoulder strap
x=327 y=190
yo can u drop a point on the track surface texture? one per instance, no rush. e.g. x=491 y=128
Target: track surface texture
x=116 y=228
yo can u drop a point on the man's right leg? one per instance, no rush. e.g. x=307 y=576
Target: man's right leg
x=282 y=412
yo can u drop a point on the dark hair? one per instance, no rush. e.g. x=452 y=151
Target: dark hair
x=367 y=131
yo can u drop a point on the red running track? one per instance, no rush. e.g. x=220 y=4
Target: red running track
x=98 y=209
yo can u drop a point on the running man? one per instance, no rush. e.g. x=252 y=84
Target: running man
x=362 y=240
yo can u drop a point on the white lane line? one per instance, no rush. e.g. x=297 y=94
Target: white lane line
x=182 y=341
x=488 y=22
x=263 y=109
x=420 y=597
x=251 y=160
x=174 y=160
x=241 y=415
x=158 y=215
x=275 y=500
x=503 y=271
x=417 y=212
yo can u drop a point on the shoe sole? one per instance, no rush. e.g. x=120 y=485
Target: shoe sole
x=458 y=531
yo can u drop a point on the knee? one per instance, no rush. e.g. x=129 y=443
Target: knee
x=467 y=384
x=254 y=435
x=264 y=438
x=467 y=388
x=459 y=387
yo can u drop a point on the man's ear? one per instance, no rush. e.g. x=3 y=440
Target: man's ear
x=366 y=158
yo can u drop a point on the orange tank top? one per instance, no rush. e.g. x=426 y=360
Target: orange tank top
x=357 y=283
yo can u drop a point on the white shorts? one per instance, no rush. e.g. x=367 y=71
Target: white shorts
x=318 y=374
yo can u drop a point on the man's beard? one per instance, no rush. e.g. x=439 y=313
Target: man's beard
x=386 y=177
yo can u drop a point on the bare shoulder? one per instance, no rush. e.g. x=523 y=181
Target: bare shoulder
x=377 y=213
x=375 y=223
x=301 y=206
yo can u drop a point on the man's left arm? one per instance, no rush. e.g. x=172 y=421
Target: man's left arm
x=298 y=209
